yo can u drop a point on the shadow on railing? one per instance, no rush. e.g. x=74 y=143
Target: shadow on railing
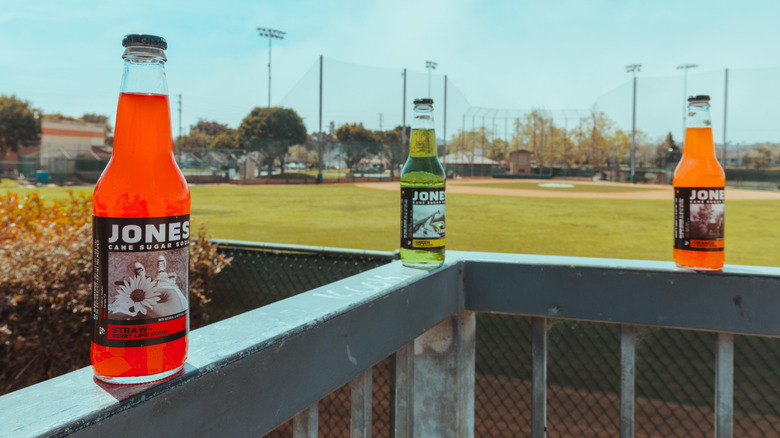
x=249 y=373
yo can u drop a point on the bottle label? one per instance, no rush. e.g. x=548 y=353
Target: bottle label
x=698 y=218
x=422 y=218
x=140 y=280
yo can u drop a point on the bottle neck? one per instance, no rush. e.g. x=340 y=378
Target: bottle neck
x=698 y=115
x=423 y=136
x=698 y=143
x=698 y=133
x=144 y=71
x=143 y=121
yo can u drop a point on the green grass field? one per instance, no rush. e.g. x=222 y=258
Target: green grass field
x=347 y=216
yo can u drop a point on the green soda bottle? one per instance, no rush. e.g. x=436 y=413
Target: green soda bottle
x=422 y=194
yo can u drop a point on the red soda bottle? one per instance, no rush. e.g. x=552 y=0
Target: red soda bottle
x=141 y=212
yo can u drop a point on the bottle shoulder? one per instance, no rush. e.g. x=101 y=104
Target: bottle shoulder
x=699 y=172
x=125 y=190
x=415 y=167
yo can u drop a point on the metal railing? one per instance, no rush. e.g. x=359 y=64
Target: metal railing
x=249 y=373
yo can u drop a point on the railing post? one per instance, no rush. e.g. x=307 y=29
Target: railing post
x=539 y=377
x=403 y=392
x=361 y=405
x=724 y=386
x=627 y=379
x=444 y=379
x=306 y=423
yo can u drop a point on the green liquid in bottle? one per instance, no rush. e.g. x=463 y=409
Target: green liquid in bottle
x=422 y=177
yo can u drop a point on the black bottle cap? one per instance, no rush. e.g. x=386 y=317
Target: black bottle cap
x=699 y=98
x=423 y=101
x=140 y=39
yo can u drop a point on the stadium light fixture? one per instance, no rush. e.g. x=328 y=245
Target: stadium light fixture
x=270 y=34
x=430 y=65
x=685 y=68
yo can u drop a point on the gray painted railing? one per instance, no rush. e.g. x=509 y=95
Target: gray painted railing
x=248 y=374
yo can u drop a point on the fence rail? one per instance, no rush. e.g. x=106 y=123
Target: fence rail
x=247 y=374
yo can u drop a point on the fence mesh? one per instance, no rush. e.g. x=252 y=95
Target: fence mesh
x=675 y=369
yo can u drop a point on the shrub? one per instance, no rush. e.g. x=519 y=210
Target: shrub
x=45 y=286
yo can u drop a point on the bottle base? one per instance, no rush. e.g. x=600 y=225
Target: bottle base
x=697 y=268
x=424 y=266
x=137 y=380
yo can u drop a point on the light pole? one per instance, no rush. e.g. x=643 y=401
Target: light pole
x=685 y=68
x=633 y=68
x=270 y=34
x=430 y=65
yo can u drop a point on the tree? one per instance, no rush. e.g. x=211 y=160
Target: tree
x=467 y=142
x=533 y=133
x=499 y=150
x=594 y=134
x=195 y=140
x=667 y=152
x=227 y=139
x=303 y=154
x=274 y=130
x=620 y=146
x=569 y=153
x=59 y=116
x=210 y=128
x=763 y=157
x=392 y=148
x=356 y=143
x=19 y=122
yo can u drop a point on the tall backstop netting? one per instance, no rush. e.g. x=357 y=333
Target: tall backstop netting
x=743 y=102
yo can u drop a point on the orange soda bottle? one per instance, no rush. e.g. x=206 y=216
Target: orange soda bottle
x=141 y=211
x=699 y=194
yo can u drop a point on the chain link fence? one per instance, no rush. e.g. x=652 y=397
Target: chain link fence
x=675 y=371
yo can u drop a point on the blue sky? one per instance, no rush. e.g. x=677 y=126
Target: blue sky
x=66 y=56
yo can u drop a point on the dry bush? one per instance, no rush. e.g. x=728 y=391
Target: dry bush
x=46 y=286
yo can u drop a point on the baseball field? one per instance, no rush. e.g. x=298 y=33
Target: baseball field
x=534 y=217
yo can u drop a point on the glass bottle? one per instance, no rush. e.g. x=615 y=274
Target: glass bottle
x=699 y=194
x=423 y=194
x=141 y=208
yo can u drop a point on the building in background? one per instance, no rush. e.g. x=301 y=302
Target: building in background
x=70 y=138
x=468 y=164
x=71 y=150
x=520 y=162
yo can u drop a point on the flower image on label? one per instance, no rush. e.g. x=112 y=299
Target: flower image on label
x=699 y=218
x=422 y=218
x=140 y=284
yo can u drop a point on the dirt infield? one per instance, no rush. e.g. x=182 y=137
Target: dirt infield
x=657 y=191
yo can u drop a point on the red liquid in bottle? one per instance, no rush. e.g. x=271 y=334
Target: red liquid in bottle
x=141 y=180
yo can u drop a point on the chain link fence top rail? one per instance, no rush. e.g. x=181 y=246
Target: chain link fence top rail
x=675 y=368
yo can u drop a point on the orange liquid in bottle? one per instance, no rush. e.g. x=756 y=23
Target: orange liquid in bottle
x=698 y=167
x=141 y=180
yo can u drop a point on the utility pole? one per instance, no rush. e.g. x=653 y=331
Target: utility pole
x=633 y=68
x=380 y=122
x=179 y=138
x=319 y=137
x=725 y=112
x=444 y=134
x=270 y=34
x=403 y=118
